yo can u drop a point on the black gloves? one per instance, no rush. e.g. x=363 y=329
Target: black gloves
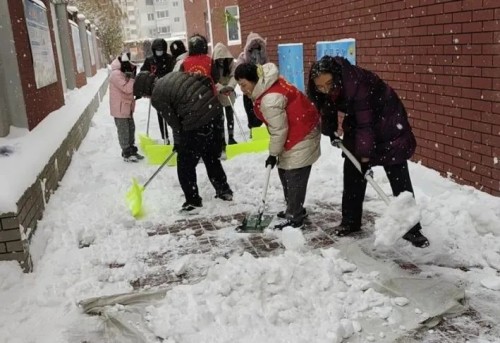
x=366 y=169
x=271 y=161
x=335 y=140
x=129 y=75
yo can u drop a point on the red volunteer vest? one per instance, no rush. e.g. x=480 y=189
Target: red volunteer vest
x=199 y=64
x=302 y=115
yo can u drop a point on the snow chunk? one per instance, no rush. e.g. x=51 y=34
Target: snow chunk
x=293 y=239
x=491 y=282
x=401 y=215
x=400 y=301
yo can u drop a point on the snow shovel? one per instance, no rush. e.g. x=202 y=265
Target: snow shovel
x=134 y=194
x=237 y=119
x=368 y=177
x=258 y=222
x=149 y=117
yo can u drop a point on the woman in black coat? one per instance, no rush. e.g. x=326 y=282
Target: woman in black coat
x=376 y=131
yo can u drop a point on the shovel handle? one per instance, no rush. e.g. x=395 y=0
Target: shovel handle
x=367 y=177
x=264 y=190
x=237 y=119
x=149 y=116
x=159 y=169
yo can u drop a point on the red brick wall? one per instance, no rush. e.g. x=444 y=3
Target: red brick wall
x=39 y=102
x=195 y=21
x=442 y=57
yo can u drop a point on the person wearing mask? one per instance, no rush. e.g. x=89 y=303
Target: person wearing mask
x=376 y=131
x=159 y=64
x=225 y=83
x=255 y=52
x=293 y=125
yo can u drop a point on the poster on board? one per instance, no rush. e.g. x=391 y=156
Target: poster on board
x=44 y=65
x=91 y=48
x=291 y=63
x=77 y=46
x=342 y=47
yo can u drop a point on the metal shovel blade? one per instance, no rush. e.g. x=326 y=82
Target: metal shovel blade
x=255 y=223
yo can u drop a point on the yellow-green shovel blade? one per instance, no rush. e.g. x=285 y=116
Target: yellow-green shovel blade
x=134 y=198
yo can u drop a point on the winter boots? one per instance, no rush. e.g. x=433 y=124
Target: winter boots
x=226 y=196
x=415 y=237
x=131 y=154
x=346 y=229
x=296 y=224
x=192 y=206
x=282 y=214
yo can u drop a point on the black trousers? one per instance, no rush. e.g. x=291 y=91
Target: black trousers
x=203 y=143
x=230 y=120
x=294 y=182
x=355 y=189
x=163 y=126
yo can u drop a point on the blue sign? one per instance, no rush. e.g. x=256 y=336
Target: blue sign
x=342 y=47
x=291 y=63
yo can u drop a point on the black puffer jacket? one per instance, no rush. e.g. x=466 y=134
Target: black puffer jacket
x=186 y=101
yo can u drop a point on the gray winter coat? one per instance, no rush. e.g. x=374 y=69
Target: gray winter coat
x=249 y=55
x=222 y=52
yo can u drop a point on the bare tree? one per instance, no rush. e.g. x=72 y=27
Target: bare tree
x=107 y=16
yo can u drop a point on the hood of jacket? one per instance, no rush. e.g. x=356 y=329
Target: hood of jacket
x=221 y=51
x=159 y=44
x=116 y=65
x=268 y=75
x=253 y=40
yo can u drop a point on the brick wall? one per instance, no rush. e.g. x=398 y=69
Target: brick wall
x=195 y=21
x=16 y=229
x=442 y=57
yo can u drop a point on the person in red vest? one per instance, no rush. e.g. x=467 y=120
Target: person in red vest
x=293 y=125
x=198 y=61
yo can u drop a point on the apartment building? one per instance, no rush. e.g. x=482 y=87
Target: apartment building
x=149 y=19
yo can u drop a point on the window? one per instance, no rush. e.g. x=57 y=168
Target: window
x=161 y=14
x=233 y=25
x=149 y=2
x=164 y=29
x=132 y=22
x=151 y=16
x=175 y=3
x=161 y=1
x=177 y=19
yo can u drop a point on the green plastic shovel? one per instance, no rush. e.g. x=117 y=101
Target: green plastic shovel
x=134 y=193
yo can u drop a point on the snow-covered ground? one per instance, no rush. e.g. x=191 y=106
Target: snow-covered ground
x=301 y=295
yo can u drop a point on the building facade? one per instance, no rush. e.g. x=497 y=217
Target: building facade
x=149 y=19
x=217 y=20
x=441 y=56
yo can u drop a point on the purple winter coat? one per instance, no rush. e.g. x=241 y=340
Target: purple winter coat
x=375 y=123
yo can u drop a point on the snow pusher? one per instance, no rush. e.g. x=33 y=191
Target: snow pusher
x=134 y=193
x=258 y=222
